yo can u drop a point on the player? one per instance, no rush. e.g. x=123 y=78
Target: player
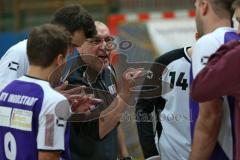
x=213 y=19
x=172 y=109
x=220 y=78
x=29 y=128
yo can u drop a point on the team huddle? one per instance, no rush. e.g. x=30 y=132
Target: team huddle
x=49 y=115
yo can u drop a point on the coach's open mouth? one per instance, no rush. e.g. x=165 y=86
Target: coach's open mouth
x=104 y=58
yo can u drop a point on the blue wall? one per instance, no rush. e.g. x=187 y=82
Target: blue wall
x=8 y=39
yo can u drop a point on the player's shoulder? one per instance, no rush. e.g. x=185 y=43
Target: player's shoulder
x=49 y=94
x=17 y=50
x=20 y=46
x=172 y=56
x=206 y=40
x=215 y=38
x=55 y=103
x=206 y=45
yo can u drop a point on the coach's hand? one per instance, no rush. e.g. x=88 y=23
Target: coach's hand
x=63 y=88
x=129 y=77
x=128 y=82
x=78 y=99
x=83 y=103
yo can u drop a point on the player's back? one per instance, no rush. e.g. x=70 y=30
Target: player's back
x=28 y=121
x=175 y=140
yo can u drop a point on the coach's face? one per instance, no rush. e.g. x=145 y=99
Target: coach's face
x=97 y=46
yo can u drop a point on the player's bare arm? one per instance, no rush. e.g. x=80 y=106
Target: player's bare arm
x=206 y=129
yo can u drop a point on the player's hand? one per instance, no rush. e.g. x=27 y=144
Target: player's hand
x=62 y=87
x=83 y=103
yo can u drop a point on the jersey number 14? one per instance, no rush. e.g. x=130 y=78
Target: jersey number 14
x=181 y=81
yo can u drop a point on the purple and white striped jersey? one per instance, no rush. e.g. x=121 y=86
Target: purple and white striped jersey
x=28 y=121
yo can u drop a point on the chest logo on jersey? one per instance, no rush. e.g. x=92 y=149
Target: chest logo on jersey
x=16 y=118
x=21 y=119
x=204 y=60
x=5 y=114
x=112 y=89
x=13 y=66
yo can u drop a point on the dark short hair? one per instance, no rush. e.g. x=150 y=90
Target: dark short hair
x=73 y=18
x=236 y=4
x=45 y=43
x=223 y=8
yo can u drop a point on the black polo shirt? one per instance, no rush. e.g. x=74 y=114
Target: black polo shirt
x=85 y=143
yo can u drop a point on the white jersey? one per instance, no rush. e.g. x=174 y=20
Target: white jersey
x=175 y=139
x=207 y=45
x=204 y=48
x=27 y=106
x=14 y=63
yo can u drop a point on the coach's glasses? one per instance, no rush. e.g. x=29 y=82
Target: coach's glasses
x=98 y=40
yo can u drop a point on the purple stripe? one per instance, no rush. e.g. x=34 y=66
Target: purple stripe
x=229 y=36
x=66 y=154
x=193 y=108
x=231 y=102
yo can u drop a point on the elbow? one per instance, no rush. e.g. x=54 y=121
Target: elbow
x=101 y=134
x=211 y=116
x=103 y=130
x=214 y=118
x=210 y=125
x=213 y=124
